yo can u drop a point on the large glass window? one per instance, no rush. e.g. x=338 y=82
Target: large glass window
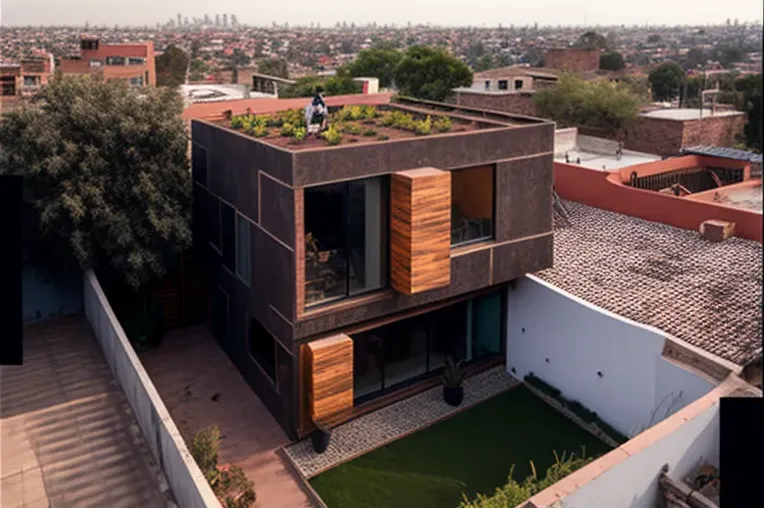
x=472 y=205
x=396 y=354
x=136 y=61
x=262 y=347
x=243 y=249
x=345 y=239
x=115 y=60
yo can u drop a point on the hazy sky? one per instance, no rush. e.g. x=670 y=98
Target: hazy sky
x=328 y=12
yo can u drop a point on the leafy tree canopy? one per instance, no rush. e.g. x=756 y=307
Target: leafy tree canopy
x=274 y=67
x=612 y=61
x=592 y=40
x=600 y=104
x=666 y=80
x=430 y=73
x=171 y=67
x=106 y=178
x=340 y=84
x=377 y=63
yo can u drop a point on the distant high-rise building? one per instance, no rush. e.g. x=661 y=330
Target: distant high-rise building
x=234 y=20
x=217 y=19
x=206 y=19
x=185 y=21
x=225 y=20
x=180 y=20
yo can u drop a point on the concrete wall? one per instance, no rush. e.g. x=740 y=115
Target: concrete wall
x=519 y=103
x=565 y=140
x=566 y=342
x=45 y=297
x=597 y=145
x=187 y=482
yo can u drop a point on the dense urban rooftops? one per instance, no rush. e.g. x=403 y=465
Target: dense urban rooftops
x=707 y=294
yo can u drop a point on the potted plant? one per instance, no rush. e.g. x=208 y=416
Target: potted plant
x=320 y=438
x=453 y=391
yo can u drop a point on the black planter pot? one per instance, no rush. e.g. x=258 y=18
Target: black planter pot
x=320 y=439
x=453 y=395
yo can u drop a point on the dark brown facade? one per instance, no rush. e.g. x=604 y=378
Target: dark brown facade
x=244 y=186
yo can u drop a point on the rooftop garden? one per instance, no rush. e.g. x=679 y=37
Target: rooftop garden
x=496 y=454
x=350 y=124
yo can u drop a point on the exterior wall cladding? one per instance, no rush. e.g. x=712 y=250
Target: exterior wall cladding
x=265 y=184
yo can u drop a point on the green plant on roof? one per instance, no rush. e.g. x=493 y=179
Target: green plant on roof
x=287 y=130
x=369 y=112
x=332 y=136
x=369 y=133
x=292 y=116
x=353 y=128
x=259 y=130
x=442 y=124
x=299 y=134
x=388 y=119
x=237 y=122
x=274 y=121
x=423 y=127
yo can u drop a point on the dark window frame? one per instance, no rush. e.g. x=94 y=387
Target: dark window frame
x=503 y=84
x=111 y=59
x=492 y=236
x=273 y=379
x=520 y=83
x=242 y=217
x=385 y=243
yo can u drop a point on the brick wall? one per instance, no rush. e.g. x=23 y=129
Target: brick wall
x=573 y=59
x=520 y=103
x=666 y=137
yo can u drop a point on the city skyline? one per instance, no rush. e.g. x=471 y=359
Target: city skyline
x=303 y=12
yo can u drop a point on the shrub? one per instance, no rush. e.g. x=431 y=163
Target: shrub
x=293 y=116
x=237 y=122
x=514 y=493
x=383 y=137
x=369 y=133
x=442 y=124
x=229 y=483
x=287 y=130
x=347 y=113
x=259 y=131
x=423 y=127
x=332 y=136
x=369 y=112
x=353 y=128
x=274 y=121
x=299 y=134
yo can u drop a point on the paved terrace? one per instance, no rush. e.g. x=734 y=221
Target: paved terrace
x=67 y=435
x=707 y=294
x=201 y=387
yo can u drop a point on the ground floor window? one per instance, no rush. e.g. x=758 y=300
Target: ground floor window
x=396 y=354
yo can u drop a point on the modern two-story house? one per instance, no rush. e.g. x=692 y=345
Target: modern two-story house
x=342 y=277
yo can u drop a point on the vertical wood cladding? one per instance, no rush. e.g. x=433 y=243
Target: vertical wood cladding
x=420 y=230
x=329 y=364
x=299 y=251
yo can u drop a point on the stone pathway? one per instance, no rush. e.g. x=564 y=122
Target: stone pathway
x=370 y=431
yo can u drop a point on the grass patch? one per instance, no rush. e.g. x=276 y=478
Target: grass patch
x=468 y=454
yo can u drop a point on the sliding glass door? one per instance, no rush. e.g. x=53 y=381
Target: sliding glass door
x=400 y=353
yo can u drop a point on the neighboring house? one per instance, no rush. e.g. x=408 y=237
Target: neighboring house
x=341 y=278
x=131 y=62
x=27 y=76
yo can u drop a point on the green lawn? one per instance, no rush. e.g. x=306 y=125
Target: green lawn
x=469 y=453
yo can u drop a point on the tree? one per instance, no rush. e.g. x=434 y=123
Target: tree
x=666 y=80
x=599 y=104
x=197 y=70
x=750 y=87
x=340 y=84
x=429 y=73
x=591 y=40
x=235 y=61
x=171 y=67
x=484 y=63
x=612 y=61
x=106 y=178
x=376 y=63
x=274 y=67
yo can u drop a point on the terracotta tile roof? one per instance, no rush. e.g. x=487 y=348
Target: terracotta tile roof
x=707 y=294
x=212 y=110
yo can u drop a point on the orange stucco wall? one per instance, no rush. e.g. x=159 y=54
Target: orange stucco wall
x=143 y=50
x=606 y=190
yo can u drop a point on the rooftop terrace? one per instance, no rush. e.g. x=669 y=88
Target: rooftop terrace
x=356 y=124
x=687 y=114
x=707 y=294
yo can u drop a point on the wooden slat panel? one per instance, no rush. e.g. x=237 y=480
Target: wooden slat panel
x=420 y=228
x=299 y=251
x=330 y=379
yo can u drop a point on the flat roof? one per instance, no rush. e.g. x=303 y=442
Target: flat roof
x=750 y=198
x=605 y=162
x=707 y=294
x=687 y=113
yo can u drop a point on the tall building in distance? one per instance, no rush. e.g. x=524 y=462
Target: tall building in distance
x=225 y=20
x=217 y=19
x=180 y=20
x=234 y=20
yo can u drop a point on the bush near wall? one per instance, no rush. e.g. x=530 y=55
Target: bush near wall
x=514 y=492
x=575 y=407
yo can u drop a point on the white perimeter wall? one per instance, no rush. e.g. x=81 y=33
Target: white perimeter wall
x=565 y=140
x=633 y=482
x=579 y=340
x=189 y=487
